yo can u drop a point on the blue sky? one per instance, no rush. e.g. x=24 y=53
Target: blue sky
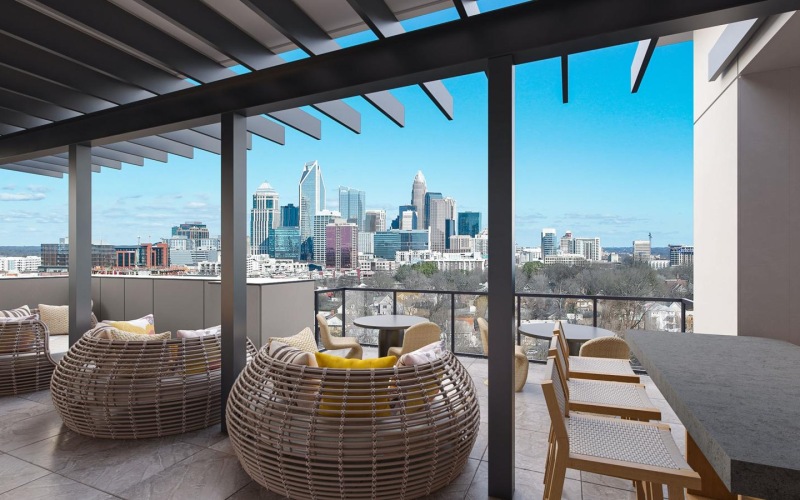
x=610 y=163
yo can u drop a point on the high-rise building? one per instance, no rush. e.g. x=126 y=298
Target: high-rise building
x=366 y=242
x=426 y=217
x=284 y=242
x=312 y=201
x=290 y=215
x=191 y=230
x=641 y=250
x=469 y=223
x=388 y=243
x=681 y=255
x=567 y=243
x=418 y=189
x=462 y=243
x=341 y=245
x=407 y=218
x=321 y=221
x=147 y=255
x=442 y=223
x=588 y=247
x=351 y=206
x=375 y=220
x=549 y=244
x=57 y=255
x=264 y=215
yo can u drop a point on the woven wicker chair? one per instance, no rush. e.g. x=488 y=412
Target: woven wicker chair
x=615 y=370
x=324 y=433
x=336 y=343
x=606 y=347
x=25 y=361
x=417 y=336
x=639 y=451
x=618 y=399
x=135 y=390
x=521 y=364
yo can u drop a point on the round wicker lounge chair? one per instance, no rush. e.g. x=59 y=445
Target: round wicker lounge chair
x=606 y=347
x=134 y=390
x=323 y=433
x=25 y=361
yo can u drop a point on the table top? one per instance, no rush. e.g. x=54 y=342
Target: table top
x=739 y=398
x=572 y=332
x=388 y=321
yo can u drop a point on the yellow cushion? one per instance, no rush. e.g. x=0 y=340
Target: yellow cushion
x=331 y=405
x=115 y=334
x=304 y=340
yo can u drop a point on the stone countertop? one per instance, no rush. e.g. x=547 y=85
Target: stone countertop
x=739 y=398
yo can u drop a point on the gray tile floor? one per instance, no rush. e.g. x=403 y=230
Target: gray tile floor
x=40 y=458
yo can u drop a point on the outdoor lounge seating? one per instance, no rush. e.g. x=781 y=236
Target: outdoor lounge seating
x=336 y=343
x=25 y=361
x=615 y=370
x=606 y=347
x=139 y=389
x=324 y=433
x=639 y=451
x=417 y=336
x=520 y=359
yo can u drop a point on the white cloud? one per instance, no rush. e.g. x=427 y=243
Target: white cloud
x=196 y=204
x=21 y=196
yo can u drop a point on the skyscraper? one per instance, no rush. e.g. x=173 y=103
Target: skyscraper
x=284 y=242
x=567 y=243
x=264 y=215
x=418 y=190
x=407 y=217
x=641 y=250
x=469 y=223
x=321 y=221
x=351 y=205
x=375 y=221
x=549 y=244
x=588 y=247
x=290 y=215
x=442 y=222
x=341 y=245
x=426 y=216
x=312 y=201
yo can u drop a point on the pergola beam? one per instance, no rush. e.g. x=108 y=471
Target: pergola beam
x=730 y=43
x=442 y=51
x=35 y=171
x=379 y=17
x=644 y=52
x=466 y=8
x=286 y=17
x=225 y=36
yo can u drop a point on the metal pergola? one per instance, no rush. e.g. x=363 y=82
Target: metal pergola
x=92 y=84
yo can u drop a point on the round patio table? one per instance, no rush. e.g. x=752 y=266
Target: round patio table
x=391 y=328
x=576 y=334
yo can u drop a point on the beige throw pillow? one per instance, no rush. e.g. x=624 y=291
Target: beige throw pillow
x=304 y=340
x=56 y=318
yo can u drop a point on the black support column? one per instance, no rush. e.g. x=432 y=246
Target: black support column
x=80 y=240
x=234 y=251
x=501 y=277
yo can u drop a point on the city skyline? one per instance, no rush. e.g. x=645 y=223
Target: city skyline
x=608 y=164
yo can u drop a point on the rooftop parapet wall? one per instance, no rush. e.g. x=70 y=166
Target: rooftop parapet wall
x=176 y=303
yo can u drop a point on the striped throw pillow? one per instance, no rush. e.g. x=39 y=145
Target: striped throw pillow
x=19 y=312
x=288 y=354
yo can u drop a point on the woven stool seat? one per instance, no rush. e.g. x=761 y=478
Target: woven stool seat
x=323 y=433
x=134 y=390
x=624 y=440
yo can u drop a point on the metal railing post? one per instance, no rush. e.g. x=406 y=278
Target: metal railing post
x=519 y=318
x=594 y=312
x=394 y=302
x=683 y=316
x=452 y=322
x=344 y=311
x=316 y=311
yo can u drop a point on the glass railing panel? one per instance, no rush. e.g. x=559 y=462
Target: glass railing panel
x=435 y=307
x=360 y=303
x=468 y=308
x=329 y=303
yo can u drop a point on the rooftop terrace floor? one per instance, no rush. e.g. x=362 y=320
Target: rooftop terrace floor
x=41 y=458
